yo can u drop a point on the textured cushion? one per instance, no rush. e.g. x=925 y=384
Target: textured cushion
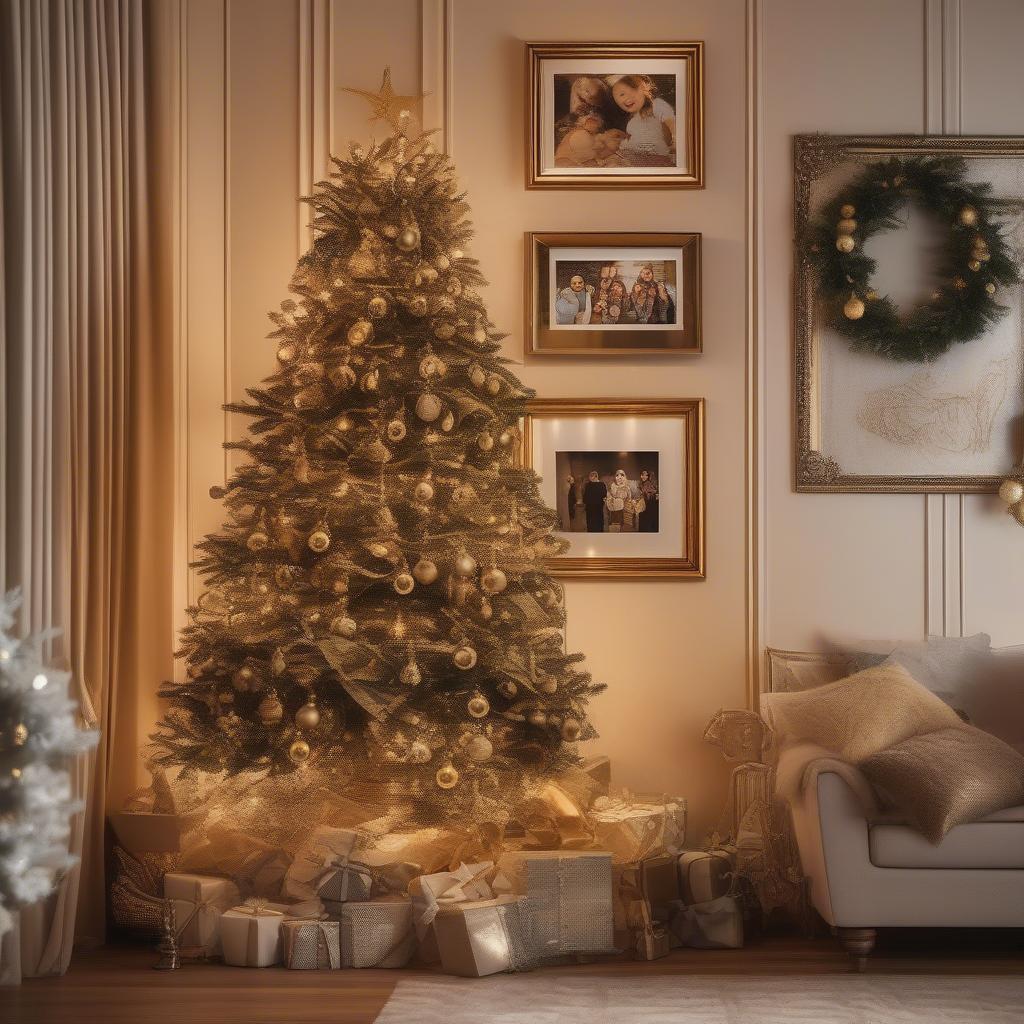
x=948 y=777
x=860 y=715
x=994 y=843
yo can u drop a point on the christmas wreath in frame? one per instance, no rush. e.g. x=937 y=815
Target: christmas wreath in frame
x=975 y=262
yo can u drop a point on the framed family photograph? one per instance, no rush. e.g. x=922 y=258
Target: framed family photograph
x=615 y=115
x=612 y=294
x=626 y=478
x=909 y=312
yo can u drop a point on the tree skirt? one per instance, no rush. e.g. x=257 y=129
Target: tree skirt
x=702 y=999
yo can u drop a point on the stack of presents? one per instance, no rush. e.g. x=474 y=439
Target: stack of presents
x=615 y=879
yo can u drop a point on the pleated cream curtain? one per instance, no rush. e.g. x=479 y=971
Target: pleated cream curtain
x=85 y=398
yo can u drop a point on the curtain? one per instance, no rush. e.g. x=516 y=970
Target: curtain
x=84 y=396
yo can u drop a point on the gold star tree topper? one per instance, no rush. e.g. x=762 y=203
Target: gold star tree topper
x=387 y=105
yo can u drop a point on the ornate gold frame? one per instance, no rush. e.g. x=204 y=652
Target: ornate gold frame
x=689 y=293
x=813 y=157
x=692 y=53
x=690 y=564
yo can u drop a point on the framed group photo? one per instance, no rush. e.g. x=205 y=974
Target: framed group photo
x=615 y=115
x=626 y=478
x=612 y=294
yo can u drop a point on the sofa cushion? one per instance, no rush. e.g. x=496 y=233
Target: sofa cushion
x=996 y=843
x=947 y=778
x=860 y=715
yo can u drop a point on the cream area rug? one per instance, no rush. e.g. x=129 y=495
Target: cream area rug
x=706 y=999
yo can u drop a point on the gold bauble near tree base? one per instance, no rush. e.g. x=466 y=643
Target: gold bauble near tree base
x=845 y=243
x=447 y=777
x=425 y=571
x=419 y=752
x=423 y=491
x=408 y=238
x=344 y=626
x=404 y=583
x=479 y=748
x=299 y=752
x=320 y=539
x=360 y=332
x=428 y=407
x=307 y=717
x=968 y=216
x=464 y=657
x=396 y=431
x=494 y=581
x=377 y=307
x=465 y=564
x=257 y=540
x=854 y=308
x=271 y=710
x=478 y=706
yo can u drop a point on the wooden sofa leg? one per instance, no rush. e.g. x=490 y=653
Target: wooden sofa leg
x=858 y=942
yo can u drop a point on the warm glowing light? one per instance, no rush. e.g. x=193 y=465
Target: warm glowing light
x=39 y=682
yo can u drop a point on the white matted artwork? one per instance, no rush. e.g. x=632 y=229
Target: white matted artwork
x=627 y=480
x=870 y=423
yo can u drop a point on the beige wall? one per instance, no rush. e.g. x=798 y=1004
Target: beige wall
x=258 y=109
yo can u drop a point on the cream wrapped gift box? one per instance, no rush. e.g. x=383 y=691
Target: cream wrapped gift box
x=250 y=935
x=199 y=901
x=634 y=828
x=324 y=868
x=311 y=945
x=377 y=933
x=482 y=937
x=569 y=898
x=430 y=892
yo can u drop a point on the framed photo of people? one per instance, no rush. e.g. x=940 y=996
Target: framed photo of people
x=626 y=478
x=612 y=294
x=615 y=115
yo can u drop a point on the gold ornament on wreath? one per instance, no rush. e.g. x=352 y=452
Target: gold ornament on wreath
x=975 y=263
x=1011 y=491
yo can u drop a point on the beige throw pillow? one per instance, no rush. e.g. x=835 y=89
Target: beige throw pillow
x=861 y=714
x=948 y=777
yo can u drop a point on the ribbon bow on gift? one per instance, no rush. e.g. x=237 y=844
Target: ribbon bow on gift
x=464 y=883
x=329 y=866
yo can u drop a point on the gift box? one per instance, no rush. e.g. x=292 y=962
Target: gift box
x=199 y=901
x=377 y=933
x=430 y=892
x=481 y=937
x=650 y=941
x=250 y=935
x=717 y=924
x=396 y=858
x=705 y=875
x=311 y=945
x=634 y=828
x=257 y=866
x=324 y=868
x=569 y=898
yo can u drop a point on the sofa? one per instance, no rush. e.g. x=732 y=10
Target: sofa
x=867 y=869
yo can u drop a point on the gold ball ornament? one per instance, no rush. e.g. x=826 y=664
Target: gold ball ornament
x=480 y=336
x=845 y=243
x=478 y=706
x=377 y=307
x=494 y=581
x=974 y=265
x=307 y=717
x=465 y=564
x=571 y=730
x=257 y=540
x=271 y=710
x=479 y=749
x=370 y=381
x=320 y=539
x=968 y=216
x=423 y=491
x=343 y=377
x=1011 y=491
x=447 y=777
x=493 y=385
x=419 y=752
x=396 y=430
x=854 y=308
x=410 y=674
x=428 y=407
x=360 y=332
x=444 y=330
x=418 y=305
x=425 y=571
x=485 y=441
x=464 y=658
x=342 y=625
x=408 y=238
x=477 y=377
x=447 y=422
x=285 y=353
x=404 y=583
x=990 y=288
x=432 y=366
x=506 y=438
x=243 y=679
x=846 y=226
x=299 y=752
x=549 y=685
x=537 y=718
x=847 y=210
x=442 y=262
x=344 y=423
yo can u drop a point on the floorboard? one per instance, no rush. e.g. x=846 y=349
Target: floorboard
x=116 y=985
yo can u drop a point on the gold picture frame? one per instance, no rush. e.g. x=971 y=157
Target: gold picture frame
x=677 y=254
x=676 y=430
x=680 y=64
x=819 y=161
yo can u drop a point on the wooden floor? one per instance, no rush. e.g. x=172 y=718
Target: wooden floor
x=117 y=986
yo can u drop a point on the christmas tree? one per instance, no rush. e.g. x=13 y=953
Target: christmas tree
x=377 y=607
